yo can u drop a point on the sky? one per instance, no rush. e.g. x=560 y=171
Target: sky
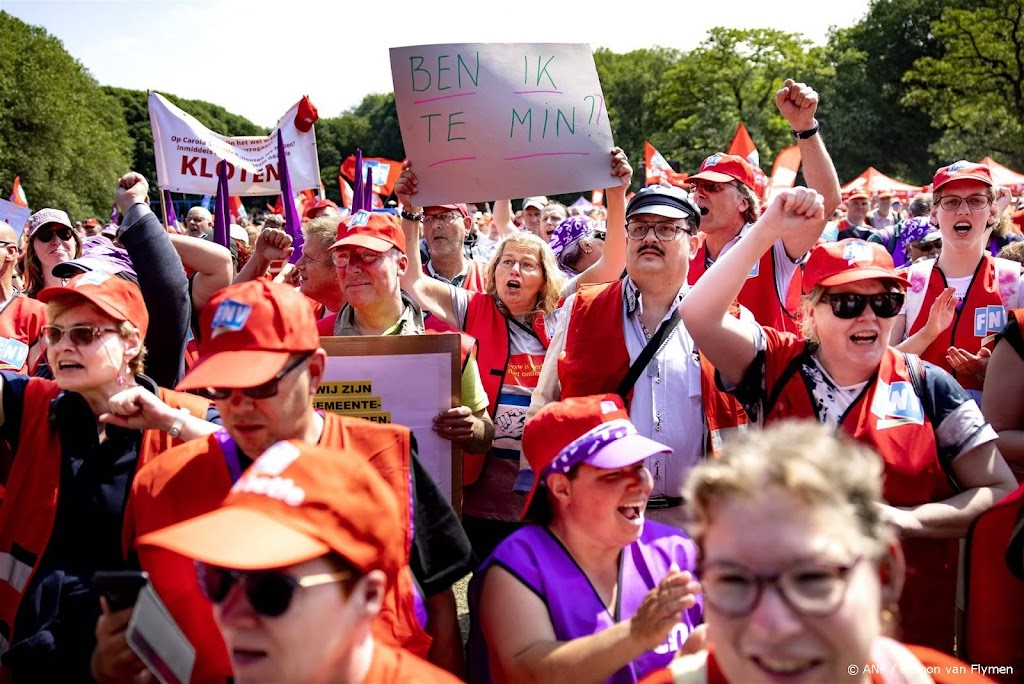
x=257 y=58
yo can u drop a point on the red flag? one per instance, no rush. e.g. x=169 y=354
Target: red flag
x=787 y=163
x=385 y=172
x=17 y=194
x=346 y=193
x=236 y=209
x=743 y=146
x=597 y=197
x=656 y=169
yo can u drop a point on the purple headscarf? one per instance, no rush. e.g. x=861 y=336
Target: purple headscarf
x=913 y=230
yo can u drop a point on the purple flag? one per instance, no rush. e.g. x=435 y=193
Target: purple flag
x=113 y=214
x=222 y=210
x=357 y=183
x=172 y=218
x=368 y=190
x=292 y=224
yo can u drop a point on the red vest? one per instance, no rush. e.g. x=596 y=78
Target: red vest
x=980 y=317
x=193 y=479
x=905 y=439
x=586 y=368
x=22 y=321
x=759 y=293
x=993 y=596
x=30 y=505
x=476 y=276
x=486 y=322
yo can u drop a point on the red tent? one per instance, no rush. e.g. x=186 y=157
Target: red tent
x=873 y=181
x=1004 y=176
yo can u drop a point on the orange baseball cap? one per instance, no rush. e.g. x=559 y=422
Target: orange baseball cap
x=116 y=297
x=961 y=170
x=250 y=330
x=858 y=194
x=723 y=168
x=886 y=194
x=295 y=503
x=376 y=230
x=848 y=261
x=594 y=430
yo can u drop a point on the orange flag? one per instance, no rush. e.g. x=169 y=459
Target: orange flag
x=17 y=194
x=743 y=146
x=346 y=193
x=385 y=172
x=656 y=169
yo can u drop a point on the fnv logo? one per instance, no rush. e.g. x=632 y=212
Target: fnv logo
x=711 y=161
x=897 y=404
x=989 y=319
x=857 y=250
x=957 y=165
x=230 y=317
x=359 y=219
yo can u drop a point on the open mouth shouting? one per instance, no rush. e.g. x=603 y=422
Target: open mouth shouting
x=962 y=228
x=634 y=512
x=864 y=338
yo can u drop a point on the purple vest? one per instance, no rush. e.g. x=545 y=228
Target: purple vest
x=538 y=559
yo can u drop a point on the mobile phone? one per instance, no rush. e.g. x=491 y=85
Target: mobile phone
x=120 y=587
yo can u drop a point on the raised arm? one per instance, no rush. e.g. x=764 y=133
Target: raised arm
x=501 y=217
x=613 y=259
x=724 y=339
x=430 y=294
x=798 y=103
x=272 y=244
x=211 y=263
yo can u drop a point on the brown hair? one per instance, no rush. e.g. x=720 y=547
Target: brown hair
x=32 y=268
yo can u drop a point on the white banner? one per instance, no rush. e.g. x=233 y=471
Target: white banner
x=187 y=154
x=501 y=120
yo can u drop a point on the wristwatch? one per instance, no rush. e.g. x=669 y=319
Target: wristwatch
x=809 y=133
x=179 y=422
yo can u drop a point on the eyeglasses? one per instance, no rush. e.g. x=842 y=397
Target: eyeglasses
x=80 y=335
x=636 y=230
x=442 y=218
x=974 y=202
x=343 y=257
x=710 y=186
x=313 y=259
x=814 y=589
x=264 y=391
x=269 y=592
x=524 y=265
x=852 y=304
x=46 y=234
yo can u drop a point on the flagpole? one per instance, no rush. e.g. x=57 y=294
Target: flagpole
x=163 y=207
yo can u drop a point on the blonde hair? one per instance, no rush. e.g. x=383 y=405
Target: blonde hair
x=804 y=459
x=32 y=268
x=812 y=298
x=551 y=291
x=61 y=304
x=323 y=227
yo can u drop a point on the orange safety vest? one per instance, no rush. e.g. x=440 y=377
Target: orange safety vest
x=905 y=439
x=30 y=506
x=194 y=478
x=586 y=368
x=980 y=317
x=486 y=323
x=476 y=276
x=22 y=321
x=759 y=293
x=993 y=596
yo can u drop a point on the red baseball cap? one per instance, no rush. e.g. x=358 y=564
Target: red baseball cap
x=441 y=208
x=116 y=297
x=886 y=194
x=723 y=168
x=295 y=503
x=250 y=330
x=858 y=194
x=849 y=261
x=92 y=223
x=320 y=204
x=961 y=170
x=306 y=115
x=376 y=230
x=594 y=430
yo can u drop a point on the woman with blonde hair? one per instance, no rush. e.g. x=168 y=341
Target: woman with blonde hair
x=942 y=467
x=799 y=569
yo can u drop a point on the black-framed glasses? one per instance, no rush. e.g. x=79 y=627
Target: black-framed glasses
x=46 y=234
x=809 y=588
x=343 y=257
x=974 y=202
x=264 y=391
x=443 y=217
x=269 y=592
x=852 y=304
x=638 y=230
x=80 y=335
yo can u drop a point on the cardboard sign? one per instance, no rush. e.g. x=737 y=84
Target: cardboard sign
x=502 y=120
x=187 y=154
x=406 y=380
x=14 y=215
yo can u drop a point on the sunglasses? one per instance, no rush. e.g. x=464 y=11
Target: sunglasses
x=269 y=592
x=80 y=335
x=710 y=186
x=46 y=234
x=264 y=391
x=852 y=304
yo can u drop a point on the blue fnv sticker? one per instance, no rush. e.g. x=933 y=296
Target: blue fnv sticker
x=989 y=319
x=897 y=404
x=13 y=353
x=857 y=250
x=360 y=218
x=230 y=317
x=754 y=271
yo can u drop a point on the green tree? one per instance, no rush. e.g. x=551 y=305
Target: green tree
x=59 y=131
x=974 y=89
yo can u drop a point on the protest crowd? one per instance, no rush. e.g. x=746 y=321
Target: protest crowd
x=704 y=434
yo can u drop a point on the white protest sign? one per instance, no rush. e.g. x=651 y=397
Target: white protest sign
x=501 y=120
x=187 y=154
x=14 y=215
x=369 y=377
